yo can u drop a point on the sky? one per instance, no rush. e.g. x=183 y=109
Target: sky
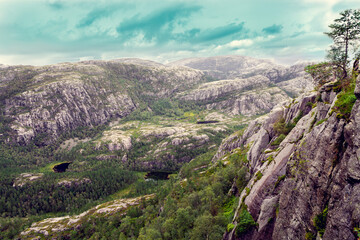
x=40 y=32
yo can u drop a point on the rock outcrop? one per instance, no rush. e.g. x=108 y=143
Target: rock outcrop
x=167 y=144
x=308 y=185
x=54 y=228
x=26 y=178
x=45 y=102
x=245 y=85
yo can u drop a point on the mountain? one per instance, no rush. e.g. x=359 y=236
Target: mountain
x=245 y=85
x=304 y=168
x=293 y=173
x=293 y=78
x=51 y=100
x=113 y=143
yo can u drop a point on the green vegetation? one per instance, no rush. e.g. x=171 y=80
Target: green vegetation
x=321 y=121
x=357 y=232
x=166 y=107
x=309 y=236
x=270 y=159
x=258 y=176
x=280 y=178
x=278 y=140
x=47 y=195
x=245 y=223
x=281 y=127
x=298 y=117
x=345 y=33
x=229 y=207
x=321 y=72
x=198 y=207
x=320 y=221
x=345 y=99
x=196 y=165
x=230 y=227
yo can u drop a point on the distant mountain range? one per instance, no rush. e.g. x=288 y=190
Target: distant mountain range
x=57 y=98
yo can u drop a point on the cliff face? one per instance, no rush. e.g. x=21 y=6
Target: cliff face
x=48 y=101
x=245 y=85
x=42 y=103
x=249 y=97
x=308 y=185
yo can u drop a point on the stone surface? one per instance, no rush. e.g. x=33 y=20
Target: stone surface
x=45 y=102
x=162 y=136
x=315 y=166
x=357 y=87
x=51 y=228
x=26 y=178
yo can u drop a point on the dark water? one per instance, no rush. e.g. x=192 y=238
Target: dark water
x=61 y=167
x=204 y=122
x=157 y=175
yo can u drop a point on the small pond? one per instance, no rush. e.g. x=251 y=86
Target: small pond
x=61 y=167
x=205 y=122
x=158 y=175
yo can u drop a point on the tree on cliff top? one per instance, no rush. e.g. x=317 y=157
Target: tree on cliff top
x=345 y=32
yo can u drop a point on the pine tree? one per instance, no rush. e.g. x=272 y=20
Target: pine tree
x=345 y=32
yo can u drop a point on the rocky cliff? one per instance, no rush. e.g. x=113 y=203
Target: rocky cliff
x=47 y=101
x=245 y=85
x=289 y=78
x=42 y=103
x=304 y=161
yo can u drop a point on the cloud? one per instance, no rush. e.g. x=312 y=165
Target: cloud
x=222 y=32
x=48 y=31
x=236 y=44
x=326 y=2
x=56 y=4
x=157 y=25
x=273 y=29
x=241 y=43
x=94 y=15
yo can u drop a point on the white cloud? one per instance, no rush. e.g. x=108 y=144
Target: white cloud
x=85 y=58
x=241 y=43
x=326 y=2
x=235 y=44
x=36 y=60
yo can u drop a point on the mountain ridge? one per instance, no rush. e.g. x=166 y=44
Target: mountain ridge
x=124 y=76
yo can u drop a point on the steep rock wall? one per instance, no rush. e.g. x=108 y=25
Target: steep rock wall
x=315 y=169
x=45 y=102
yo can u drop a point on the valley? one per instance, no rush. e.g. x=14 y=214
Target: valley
x=80 y=136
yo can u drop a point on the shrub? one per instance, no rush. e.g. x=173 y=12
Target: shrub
x=345 y=99
x=258 y=176
x=278 y=140
x=298 y=117
x=280 y=178
x=310 y=236
x=357 y=231
x=322 y=72
x=320 y=221
x=270 y=159
x=344 y=104
x=245 y=223
x=281 y=127
x=230 y=227
x=321 y=121
x=247 y=191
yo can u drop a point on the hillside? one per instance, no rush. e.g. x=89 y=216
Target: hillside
x=290 y=174
x=52 y=100
x=76 y=135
